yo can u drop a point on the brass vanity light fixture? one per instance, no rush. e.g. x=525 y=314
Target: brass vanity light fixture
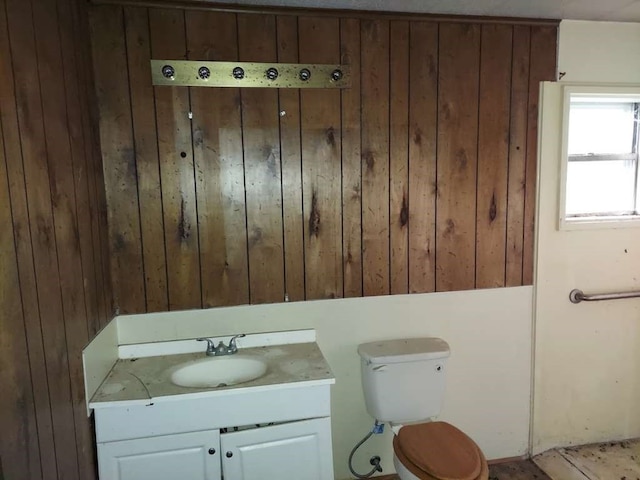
x=248 y=74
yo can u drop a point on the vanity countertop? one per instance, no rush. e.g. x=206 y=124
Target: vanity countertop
x=147 y=379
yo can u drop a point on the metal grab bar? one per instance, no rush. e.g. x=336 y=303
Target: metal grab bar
x=577 y=296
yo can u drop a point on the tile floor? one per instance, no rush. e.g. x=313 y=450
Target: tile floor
x=604 y=461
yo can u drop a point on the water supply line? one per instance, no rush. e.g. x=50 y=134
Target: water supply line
x=377 y=429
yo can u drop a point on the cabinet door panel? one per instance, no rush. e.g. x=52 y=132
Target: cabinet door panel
x=167 y=457
x=300 y=450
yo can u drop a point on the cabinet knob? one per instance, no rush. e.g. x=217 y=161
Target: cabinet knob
x=229 y=454
x=212 y=451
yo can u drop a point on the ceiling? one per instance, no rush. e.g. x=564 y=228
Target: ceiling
x=603 y=10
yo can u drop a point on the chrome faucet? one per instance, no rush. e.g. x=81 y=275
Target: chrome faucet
x=221 y=349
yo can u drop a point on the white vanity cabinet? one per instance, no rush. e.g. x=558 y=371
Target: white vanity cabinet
x=193 y=456
x=237 y=434
x=297 y=450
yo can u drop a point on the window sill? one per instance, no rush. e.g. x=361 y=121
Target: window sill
x=592 y=223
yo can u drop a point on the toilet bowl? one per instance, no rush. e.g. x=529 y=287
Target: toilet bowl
x=437 y=451
x=404 y=382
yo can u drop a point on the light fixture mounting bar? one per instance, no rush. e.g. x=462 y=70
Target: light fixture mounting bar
x=194 y=73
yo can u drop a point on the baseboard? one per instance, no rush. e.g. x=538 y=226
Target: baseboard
x=498 y=461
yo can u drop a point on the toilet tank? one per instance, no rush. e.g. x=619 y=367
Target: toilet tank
x=404 y=380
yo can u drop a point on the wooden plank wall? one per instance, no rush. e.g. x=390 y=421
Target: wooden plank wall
x=54 y=276
x=418 y=178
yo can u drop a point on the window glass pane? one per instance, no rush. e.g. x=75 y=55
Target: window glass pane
x=600 y=187
x=599 y=128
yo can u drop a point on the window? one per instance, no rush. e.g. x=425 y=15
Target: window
x=600 y=148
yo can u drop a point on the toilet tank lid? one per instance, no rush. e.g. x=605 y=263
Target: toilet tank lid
x=404 y=350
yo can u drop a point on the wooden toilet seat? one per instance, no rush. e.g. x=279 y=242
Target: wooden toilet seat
x=439 y=451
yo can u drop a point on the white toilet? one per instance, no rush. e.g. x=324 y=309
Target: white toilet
x=403 y=382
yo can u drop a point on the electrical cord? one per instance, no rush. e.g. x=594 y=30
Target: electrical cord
x=375 y=460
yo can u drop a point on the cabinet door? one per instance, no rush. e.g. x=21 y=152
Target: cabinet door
x=193 y=456
x=296 y=450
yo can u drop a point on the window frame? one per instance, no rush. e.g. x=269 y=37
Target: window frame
x=565 y=222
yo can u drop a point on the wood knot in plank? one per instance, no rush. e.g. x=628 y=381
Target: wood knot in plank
x=314 y=216
x=331 y=137
x=184 y=227
x=272 y=160
x=445 y=111
x=451 y=228
x=417 y=137
x=198 y=137
x=355 y=192
x=255 y=237
x=45 y=233
x=461 y=159
x=404 y=211
x=493 y=209
x=119 y=243
x=369 y=160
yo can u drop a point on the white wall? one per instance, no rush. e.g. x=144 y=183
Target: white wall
x=599 y=51
x=587 y=356
x=489 y=372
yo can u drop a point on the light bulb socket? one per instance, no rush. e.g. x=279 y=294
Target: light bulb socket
x=305 y=74
x=238 y=73
x=204 y=73
x=168 y=72
x=272 y=73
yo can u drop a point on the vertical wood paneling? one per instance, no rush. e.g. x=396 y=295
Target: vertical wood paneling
x=261 y=144
x=542 y=67
x=375 y=156
x=291 y=155
x=49 y=294
x=399 y=156
x=410 y=180
x=459 y=56
x=146 y=157
x=321 y=166
x=493 y=155
x=109 y=55
x=175 y=148
x=96 y=183
x=217 y=143
x=71 y=64
x=423 y=128
x=517 y=154
x=19 y=443
x=13 y=150
x=71 y=215
x=26 y=45
x=351 y=162
x=96 y=313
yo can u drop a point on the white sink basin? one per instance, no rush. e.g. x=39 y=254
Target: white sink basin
x=218 y=371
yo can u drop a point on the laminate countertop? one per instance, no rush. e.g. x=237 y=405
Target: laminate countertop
x=148 y=379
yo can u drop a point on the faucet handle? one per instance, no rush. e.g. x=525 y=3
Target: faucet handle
x=210 y=346
x=233 y=348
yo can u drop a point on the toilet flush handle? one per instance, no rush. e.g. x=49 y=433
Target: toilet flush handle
x=379 y=368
